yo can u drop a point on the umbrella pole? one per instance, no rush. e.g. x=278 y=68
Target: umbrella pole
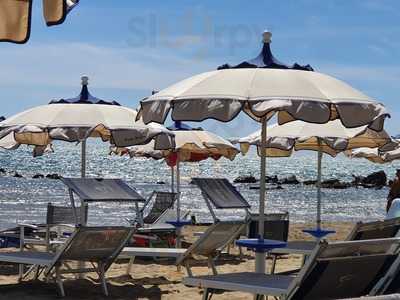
x=260 y=256
x=178 y=203
x=319 y=184
x=81 y=265
x=83 y=159
x=172 y=180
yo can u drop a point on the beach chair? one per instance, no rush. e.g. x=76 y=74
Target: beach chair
x=163 y=201
x=276 y=226
x=96 y=245
x=333 y=271
x=215 y=238
x=60 y=223
x=361 y=231
x=221 y=194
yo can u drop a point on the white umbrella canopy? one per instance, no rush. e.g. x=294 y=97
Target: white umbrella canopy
x=76 y=119
x=312 y=97
x=262 y=88
x=190 y=145
x=375 y=155
x=330 y=138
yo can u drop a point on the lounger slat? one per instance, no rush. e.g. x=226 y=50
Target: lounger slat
x=273 y=285
x=129 y=252
x=28 y=257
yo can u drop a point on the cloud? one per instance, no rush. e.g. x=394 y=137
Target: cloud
x=62 y=64
x=384 y=74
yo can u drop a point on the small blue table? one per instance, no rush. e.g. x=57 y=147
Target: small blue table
x=179 y=223
x=318 y=233
x=260 y=245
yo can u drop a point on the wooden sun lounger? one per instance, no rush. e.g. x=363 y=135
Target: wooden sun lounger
x=97 y=245
x=333 y=271
x=215 y=238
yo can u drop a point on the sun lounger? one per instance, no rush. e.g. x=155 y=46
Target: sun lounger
x=208 y=245
x=333 y=271
x=221 y=194
x=59 y=220
x=97 y=245
x=163 y=201
x=361 y=231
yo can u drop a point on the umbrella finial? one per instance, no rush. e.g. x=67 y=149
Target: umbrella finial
x=267 y=36
x=85 y=80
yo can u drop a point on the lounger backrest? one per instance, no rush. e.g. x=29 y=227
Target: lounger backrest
x=276 y=226
x=95 y=244
x=375 y=230
x=344 y=270
x=64 y=214
x=221 y=193
x=215 y=237
x=162 y=202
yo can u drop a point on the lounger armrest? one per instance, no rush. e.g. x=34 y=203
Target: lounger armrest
x=26 y=225
x=69 y=226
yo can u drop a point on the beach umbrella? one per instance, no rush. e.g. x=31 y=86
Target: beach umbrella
x=76 y=119
x=330 y=138
x=376 y=155
x=191 y=145
x=15 y=17
x=262 y=88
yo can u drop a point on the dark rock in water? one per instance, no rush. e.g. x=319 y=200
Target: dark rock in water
x=309 y=182
x=374 y=180
x=245 y=179
x=53 y=176
x=17 y=175
x=38 y=176
x=272 y=179
x=329 y=182
x=2 y=171
x=160 y=182
x=335 y=184
x=289 y=180
x=256 y=187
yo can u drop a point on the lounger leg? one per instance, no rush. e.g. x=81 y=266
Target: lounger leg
x=130 y=264
x=59 y=282
x=207 y=294
x=303 y=261
x=102 y=275
x=212 y=265
x=273 y=263
x=188 y=269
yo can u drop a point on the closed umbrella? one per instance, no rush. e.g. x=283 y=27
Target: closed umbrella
x=262 y=88
x=330 y=138
x=76 y=119
x=16 y=15
x=190 y=146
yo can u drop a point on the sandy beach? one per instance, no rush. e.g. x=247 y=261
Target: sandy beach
x=150 y=279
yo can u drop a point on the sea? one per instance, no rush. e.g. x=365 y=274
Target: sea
x=25 y=199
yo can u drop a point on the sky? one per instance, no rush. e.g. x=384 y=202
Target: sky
x=129 y=48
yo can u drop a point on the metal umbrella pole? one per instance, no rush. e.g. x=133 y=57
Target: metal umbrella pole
x=83 y=159
x=319 y=184
x=260 y=256
x=178 y=204
x=172 y=180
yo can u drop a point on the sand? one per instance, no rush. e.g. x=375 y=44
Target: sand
x=150 y=279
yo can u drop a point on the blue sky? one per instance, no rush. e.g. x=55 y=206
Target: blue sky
x=129 y=48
